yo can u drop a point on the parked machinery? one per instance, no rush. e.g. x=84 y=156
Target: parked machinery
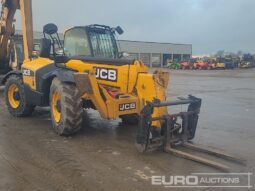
x=90 y=72
x=211 y=63
x=7 y=31
x=201 y=65
x=247 y=61
x=220 y=63
x=187 y=64
x=175 y=65
x=229 y=62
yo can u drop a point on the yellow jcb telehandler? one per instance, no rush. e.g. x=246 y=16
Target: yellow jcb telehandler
x=88 y=71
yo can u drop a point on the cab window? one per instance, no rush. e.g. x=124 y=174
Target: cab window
x=76 y=43
x=103 y=44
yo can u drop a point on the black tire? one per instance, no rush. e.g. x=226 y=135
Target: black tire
x=132 y=119
x=71 y=108
x=24 y=109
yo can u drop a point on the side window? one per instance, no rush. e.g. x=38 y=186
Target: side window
x=103 y=44
x=76 y=43
x=20 y=52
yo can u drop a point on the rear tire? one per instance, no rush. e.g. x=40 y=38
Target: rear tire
x=66 y=108
x=15 y=97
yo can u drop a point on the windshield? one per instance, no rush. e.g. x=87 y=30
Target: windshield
x=94 y=42
x=76 y=43
x=103 y=43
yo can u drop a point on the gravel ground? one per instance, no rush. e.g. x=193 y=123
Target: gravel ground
x=103 y=157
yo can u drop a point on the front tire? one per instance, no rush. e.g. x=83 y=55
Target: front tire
x=15 y=97
x=66 y=108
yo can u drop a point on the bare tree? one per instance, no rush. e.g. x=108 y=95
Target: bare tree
x=239 y=53
x=220 y=53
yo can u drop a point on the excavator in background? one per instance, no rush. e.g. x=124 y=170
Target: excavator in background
x=89 y=71
x=8 y=49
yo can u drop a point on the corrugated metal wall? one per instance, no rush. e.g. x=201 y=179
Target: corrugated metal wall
x=156 y=54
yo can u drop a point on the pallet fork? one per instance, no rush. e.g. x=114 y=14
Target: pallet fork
x=177 y=132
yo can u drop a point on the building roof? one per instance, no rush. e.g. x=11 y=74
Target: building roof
x=154 y=47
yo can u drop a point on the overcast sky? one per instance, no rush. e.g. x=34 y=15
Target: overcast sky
x=209 y=25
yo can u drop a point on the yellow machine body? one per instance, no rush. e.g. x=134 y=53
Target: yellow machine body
x=134 y=85
x=88 y=71
x=132 y=88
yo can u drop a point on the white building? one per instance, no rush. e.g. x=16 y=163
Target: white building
x=156 y=54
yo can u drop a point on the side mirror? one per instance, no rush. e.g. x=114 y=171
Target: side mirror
x=37 y=47
x=50 y=29
x=35 y=54
x=119 y=30
x=123 y=55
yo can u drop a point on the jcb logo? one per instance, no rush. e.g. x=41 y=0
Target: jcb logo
x=106 y=74
x=127 y=106
x=27 y=72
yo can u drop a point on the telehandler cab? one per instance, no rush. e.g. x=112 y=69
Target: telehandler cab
x=88 y=71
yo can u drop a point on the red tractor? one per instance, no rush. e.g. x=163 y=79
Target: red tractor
x=211 y=64
x=201 y=65
x=187 y=65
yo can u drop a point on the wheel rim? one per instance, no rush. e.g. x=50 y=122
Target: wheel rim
x=56 y=110
x=14 y=96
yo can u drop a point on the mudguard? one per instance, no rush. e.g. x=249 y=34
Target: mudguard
x=15 y=72
x=44 y=79
x=64 y=75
